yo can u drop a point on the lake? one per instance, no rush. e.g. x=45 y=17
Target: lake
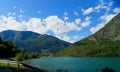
x=76 y=64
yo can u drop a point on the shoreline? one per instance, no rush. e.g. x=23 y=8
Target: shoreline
x=10 y=65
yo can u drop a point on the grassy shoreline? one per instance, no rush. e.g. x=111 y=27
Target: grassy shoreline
x=14 y=67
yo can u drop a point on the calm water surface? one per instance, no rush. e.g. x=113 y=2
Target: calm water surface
x=76 y=64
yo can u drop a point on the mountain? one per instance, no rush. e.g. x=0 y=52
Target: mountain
x=34 y=42
x=105 y=42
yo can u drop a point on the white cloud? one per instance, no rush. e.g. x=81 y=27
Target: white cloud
x=65 y=18
x=116 y=10
x=85 y=24
x=66 y=38
x=88 y=11
x=70 y=26
x=95 y=29
x=9 y=23
x=58 y=26
x=77 y=21
x=20 y=16
x=87 y=18
x=76 y=13
x=105 y=19
x=35 y=25
x=99 y=6
x=54 y=24
x=11 y=14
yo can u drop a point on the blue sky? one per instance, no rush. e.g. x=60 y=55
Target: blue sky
x=69 y=20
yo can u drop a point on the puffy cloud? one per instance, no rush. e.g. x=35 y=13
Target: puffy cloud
x=35 y=25
x=9 y=23
x=58 y=26
x=70 y=26
x=116 y=10
x=87 y=22
x=54 y=24
x=65 y=18
x=77 y=21
x=66 y=38
x=87 y=11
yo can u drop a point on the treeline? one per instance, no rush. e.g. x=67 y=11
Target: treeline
x=8 y=50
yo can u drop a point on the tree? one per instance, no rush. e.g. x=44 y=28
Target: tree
x=3 y=49
x=0 y=40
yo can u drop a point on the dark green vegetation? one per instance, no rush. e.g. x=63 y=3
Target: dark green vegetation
x=8 y=50
x=34 y=42
x=105 y=42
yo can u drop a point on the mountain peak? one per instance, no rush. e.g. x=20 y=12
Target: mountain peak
x=34 y=42
x=105 y=42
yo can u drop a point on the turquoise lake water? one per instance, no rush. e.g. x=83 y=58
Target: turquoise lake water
x=76 y=64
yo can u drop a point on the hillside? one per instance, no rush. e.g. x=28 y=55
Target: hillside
x=34 y=42
x=105 y=42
